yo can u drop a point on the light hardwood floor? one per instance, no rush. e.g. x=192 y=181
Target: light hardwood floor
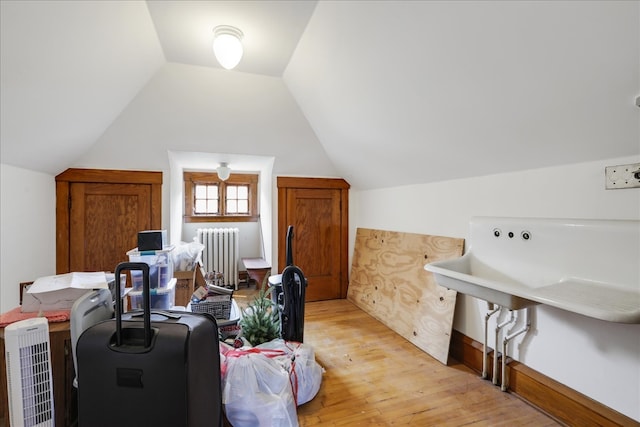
x=374 y=377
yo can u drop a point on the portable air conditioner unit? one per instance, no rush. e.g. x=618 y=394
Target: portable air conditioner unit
x=29 y=382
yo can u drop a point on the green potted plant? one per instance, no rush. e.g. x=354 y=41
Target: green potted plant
x=260 y=321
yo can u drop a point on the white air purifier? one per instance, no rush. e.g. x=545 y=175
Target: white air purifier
x=29 y=382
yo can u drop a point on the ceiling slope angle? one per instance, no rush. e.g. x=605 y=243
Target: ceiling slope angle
x=68 y=70
x=403 y=93
x=271 y=30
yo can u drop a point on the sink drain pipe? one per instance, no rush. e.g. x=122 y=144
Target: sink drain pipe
x=499 y=327
x=493 y=309
x=509 y=337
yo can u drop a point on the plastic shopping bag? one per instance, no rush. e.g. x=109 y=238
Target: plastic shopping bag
x=298 y=359
x=256 y=391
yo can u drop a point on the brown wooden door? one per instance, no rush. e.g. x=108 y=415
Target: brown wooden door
x=100 y=214
x=317 y=209
x=97 y=210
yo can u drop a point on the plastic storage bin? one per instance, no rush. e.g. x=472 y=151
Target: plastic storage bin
x=160 y=267
x=160 y=298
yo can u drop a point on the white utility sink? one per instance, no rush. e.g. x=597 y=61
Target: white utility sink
x=470 y=277
x=591 y=267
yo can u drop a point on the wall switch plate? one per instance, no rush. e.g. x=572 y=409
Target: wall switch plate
x=622 y=176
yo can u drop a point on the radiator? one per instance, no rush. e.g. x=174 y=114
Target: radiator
x=221 y=252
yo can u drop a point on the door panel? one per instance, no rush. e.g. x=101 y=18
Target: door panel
x=99 y=214
x=316 y=245
x=317 y=209
x=97 y=211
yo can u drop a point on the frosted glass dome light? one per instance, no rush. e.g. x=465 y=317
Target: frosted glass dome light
x=227 y=45
x=224 y=171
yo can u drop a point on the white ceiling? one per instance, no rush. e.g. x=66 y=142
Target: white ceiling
x=424 y=91
x=67 y=69
x=421 y=90
x=271 y=30
x=70 y=68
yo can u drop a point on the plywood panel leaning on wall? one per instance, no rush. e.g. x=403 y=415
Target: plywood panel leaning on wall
x=389 y=282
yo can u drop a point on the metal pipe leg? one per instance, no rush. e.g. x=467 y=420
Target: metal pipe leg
x=495 y=351
x=509 y=337
x=485 y=355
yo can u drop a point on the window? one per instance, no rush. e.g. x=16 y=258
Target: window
x=208 y=199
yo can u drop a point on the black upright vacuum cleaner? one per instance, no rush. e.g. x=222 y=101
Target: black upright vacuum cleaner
x=289 y=296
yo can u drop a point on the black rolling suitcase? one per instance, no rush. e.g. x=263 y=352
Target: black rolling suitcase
x=156 y=369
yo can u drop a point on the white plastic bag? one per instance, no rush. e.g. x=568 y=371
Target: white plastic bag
x=186 y=256
x=256 y=391
x=305 y=374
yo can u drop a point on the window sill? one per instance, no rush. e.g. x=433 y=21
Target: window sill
x=221 y=218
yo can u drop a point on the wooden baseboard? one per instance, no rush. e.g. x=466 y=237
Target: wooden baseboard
x=559 y=401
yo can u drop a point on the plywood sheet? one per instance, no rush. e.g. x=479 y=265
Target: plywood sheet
x=388 y=281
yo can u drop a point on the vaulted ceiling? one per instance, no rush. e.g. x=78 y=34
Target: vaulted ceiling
x=397 y=92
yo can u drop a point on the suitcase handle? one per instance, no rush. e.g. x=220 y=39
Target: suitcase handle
x=146 y=300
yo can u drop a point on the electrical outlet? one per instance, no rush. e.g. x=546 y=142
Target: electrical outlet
x=622 y=176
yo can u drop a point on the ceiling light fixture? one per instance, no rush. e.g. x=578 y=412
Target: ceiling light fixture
x=223 y=171
x=227 y=45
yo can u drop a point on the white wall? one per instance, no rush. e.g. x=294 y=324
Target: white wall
x=27 y=230
x=237 y=117
x=255 y=236
x=204 y=110
x=596 y=358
